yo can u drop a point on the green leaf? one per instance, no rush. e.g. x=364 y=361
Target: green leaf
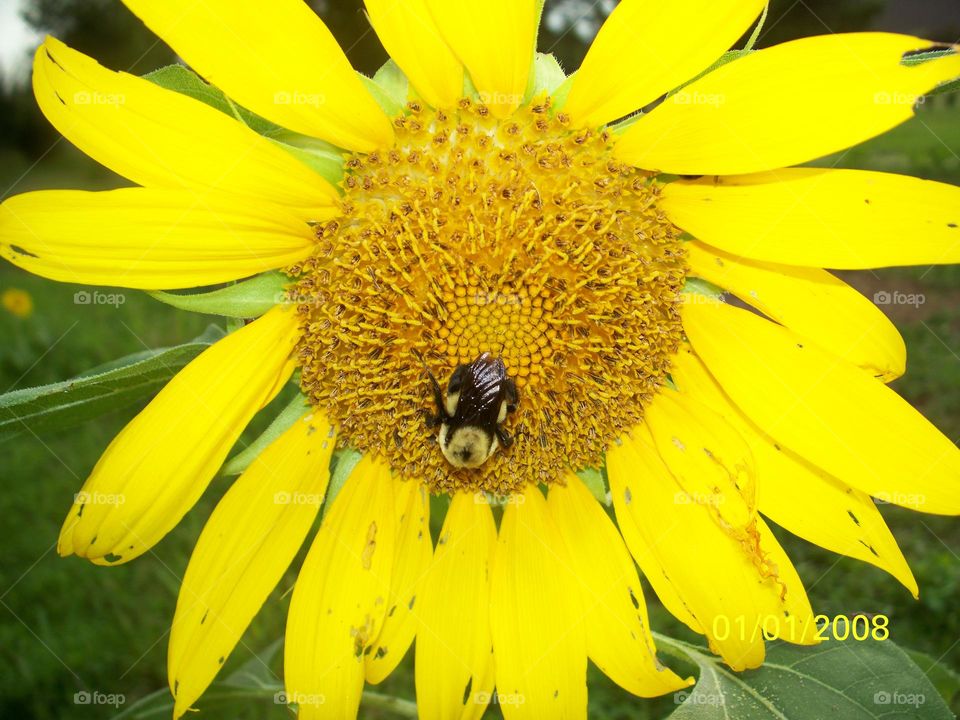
x=945 y=680
x=254 y=681
x=595 y=481
x=853 y=680
x=123 y=382
x=186 y=82
x=281 y=423
x=948 y=87
x=256 y=673
x=248 y=299
x=343 y=463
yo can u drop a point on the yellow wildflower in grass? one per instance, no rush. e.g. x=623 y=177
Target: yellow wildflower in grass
x=17 y=302
x=495 y=219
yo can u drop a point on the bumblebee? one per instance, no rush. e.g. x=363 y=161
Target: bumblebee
x=471 y=413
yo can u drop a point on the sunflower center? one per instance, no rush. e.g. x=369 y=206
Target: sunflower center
x=522 y=238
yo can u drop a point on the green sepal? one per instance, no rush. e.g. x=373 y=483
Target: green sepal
x=393 y=82
x=596 y=481
x=547 y=75
x=727 y=57
x=388 y=87
x=919 y=58
x=561 y=92
x=294 y=410
x=322 y=157
x=341 y=465
x=247 y=299
x=186 y=82
x=922 y=57
x=699 y=286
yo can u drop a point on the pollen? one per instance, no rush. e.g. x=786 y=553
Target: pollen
x=523 y=238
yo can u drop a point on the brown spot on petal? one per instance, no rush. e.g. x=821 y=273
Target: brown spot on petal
x=366 y=558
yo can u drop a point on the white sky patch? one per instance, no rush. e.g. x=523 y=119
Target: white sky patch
x=17 y=42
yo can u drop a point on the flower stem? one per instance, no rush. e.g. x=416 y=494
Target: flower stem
x=404 y=708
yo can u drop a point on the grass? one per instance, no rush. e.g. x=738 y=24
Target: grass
x=67 y=626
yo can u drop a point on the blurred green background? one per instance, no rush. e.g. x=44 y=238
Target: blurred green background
x=67 y=626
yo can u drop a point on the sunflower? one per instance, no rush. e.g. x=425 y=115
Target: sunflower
x=477 y=204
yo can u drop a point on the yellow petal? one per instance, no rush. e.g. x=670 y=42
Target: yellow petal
x=496 y=41
x=539 y=645
x=637 y=57
x=829 y=412
x=410 y=35
x=341 y=596
x=795 y=494
x=730 y=587
x=846 y=219
x=161 y=462
x=714 y=467
x=812 y=303
x=785 y=105
x=163 y=139
x=454 y=663
x=243 y=551
x=709 y=461
x=637 y=543
x=282 y=63
x=147 y=238
x=615 y=615
x=414 y=550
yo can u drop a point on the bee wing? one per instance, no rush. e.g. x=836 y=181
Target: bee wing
x=481 y=395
